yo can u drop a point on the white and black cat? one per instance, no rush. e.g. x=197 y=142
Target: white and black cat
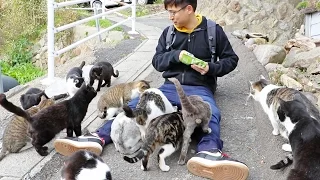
x=48 y=122
x=165 y=131
x=152 y=104
x=125 y=135
x=85 y=165
x=74 y=79
x=268 y=94
x=32 y=97
x=304 y=137
x=102 y=71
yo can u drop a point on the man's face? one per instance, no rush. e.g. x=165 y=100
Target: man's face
x=179 y=15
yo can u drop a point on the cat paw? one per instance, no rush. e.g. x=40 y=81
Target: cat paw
x=207 y=130
x=287 y=147
x=165 y=168
x=143 y=168
x=182 y=160
x=275 y=132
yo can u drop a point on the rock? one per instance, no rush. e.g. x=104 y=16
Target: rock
x=306 y=83
x=282 y=10
x=269 y=54
x=63 y=60
x=290 y=58
x=234 y=6
x=290 y=82
x=316 y=71
x=114 y=37
x=274 y=66
x=76 y=51
x=304 y=43
x=305 y=59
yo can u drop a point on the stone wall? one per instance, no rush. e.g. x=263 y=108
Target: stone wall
x=276 y=18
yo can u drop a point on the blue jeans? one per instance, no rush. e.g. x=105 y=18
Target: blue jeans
x=207 y=141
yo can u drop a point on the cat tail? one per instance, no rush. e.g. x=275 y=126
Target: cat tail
x=82 y=64
x=44 y=94
x=147 y=148
x=13 y=108
x=3 y=152
x=183 y=97
x=283 y=163
x=60 y=96
x=115 y=73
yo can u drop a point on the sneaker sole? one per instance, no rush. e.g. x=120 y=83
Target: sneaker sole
x=220 y=170
x=67 y=147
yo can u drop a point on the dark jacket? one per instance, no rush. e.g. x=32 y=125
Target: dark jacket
x=197 y=43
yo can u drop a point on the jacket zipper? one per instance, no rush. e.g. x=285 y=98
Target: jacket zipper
x=184 y=70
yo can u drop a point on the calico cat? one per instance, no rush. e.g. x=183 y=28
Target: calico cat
x=48 y=122
x=74 y=79
x=165 y=131
x=196 y=112
x=152 y=104
x=15 y=134
x=32 y=97
x=114 y=98
x=85 y=165
x=304 y=137
x=125 y=135
x=102 y=71
x=267 y=95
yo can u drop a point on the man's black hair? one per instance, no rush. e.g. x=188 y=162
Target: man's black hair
x=180 y=3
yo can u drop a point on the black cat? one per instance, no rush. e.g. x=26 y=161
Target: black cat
x=48 y=122
x=33 y=97
x=102 y=71
x=304 y=138
x=74 y=79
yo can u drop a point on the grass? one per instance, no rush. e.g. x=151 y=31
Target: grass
x=104 y=23
x=22 y=72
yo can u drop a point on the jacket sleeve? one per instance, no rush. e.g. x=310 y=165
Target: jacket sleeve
x=164 y=59
x=228 y=60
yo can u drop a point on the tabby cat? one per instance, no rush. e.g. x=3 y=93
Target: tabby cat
x=304 y=133
x=85 y=165
x=32 y=97
x=196 y=112
x=152 y=104
x=102 y=71
x=125 y=135
x=48 y=122
x=165 y=131
x=74 y=79
x=267 y=95
x=15 y=134
x=114 y=98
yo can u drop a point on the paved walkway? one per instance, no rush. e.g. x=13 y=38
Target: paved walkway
x=245 y=129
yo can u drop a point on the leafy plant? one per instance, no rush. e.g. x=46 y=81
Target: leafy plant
x=302 y=5
x=20 y=52
x=24 y=72
x=104 y=23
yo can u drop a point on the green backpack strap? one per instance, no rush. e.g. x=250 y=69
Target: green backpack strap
x=211 y=30
x=170 y=37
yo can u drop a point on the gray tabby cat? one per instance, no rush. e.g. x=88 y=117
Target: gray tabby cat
x=16 y=134
x=152 y=104
x=268 y=96
x=115 y=97
x=165 y=131
x=196 y=112
x=125 y=135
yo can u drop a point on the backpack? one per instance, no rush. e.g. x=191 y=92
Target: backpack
x=211 y=30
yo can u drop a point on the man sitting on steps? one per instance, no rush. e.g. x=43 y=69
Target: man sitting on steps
x=190 y=31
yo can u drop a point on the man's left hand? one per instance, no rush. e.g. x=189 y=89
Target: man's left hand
x=200 y=69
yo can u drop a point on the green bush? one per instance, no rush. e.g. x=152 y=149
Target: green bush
x=24 y=72
x=302 y=5
x=104 y=23
x=20 y=52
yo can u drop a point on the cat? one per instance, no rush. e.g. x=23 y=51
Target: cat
x=267 y=95
x=165 y=131
x=304 y=133
x=15 y=134
x=84 y=165
x=196 y=112
x=111 y=101
x=85 y=73
x=102 y=71
x=74 y=79
x=32 y=97
x=125 y=135
x=48 y=122
x=152 y=104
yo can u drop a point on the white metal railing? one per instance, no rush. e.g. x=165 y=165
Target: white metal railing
x=52 y=30
x=1 y=83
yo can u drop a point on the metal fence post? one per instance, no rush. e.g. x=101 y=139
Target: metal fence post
x=1 y=83
x=97 y=22
x=50 y=29
x=133 y=16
